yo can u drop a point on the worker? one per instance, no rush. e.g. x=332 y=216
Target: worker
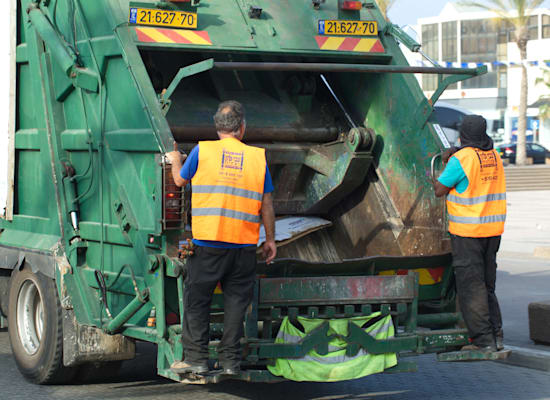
x=474 y=183
x=231 y=194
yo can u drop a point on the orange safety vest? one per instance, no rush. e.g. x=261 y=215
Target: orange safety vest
x=481 y=210
x=227 y=192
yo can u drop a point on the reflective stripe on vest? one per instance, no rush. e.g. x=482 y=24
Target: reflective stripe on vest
x=222 y=212
x=227 y=192
x=249 y=194
x=335 y=365
x=481 y=210
x=478 y=220
x=476 y=200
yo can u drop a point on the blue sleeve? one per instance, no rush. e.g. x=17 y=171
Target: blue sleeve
x=191 y=164
x=453 y=176
x=268 y=184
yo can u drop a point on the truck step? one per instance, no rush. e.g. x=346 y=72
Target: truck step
x=471 y=355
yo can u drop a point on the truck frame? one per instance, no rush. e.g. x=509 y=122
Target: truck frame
x=90 y=240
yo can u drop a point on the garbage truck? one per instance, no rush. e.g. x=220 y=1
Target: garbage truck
x=91 y=229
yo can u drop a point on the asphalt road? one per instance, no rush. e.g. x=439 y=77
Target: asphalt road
x=138 y=380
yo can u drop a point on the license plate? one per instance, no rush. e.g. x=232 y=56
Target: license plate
x=175 y=19
x=348 y=28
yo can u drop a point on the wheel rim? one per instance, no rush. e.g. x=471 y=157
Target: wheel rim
x=30 y=317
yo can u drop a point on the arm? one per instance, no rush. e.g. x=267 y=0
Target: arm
x=176 y=168
x=176 y=159
x=451 y=176
x=440 y=189
x=268 y=217
x=448 y=153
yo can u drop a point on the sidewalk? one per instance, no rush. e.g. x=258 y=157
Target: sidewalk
x=523 y=278
x=527 y=223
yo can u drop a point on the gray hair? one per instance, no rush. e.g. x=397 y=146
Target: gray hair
x=229 y=117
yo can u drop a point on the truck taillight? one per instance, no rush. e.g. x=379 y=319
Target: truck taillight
x=351 y=5
x=172 y=202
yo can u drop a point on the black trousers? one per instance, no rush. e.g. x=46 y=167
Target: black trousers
x=475 y=267
x=235 y=269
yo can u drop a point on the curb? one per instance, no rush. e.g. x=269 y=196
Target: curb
x=528 y=358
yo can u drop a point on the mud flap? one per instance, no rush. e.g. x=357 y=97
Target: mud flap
x=82 y=344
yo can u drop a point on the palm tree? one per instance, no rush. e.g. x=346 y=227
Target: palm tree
x=384 y=6
x=517 y=12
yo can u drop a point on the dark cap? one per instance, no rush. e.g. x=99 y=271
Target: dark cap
x=473 y=133
x=474 y=126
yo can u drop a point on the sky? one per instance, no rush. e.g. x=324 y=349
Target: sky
x=407 y=12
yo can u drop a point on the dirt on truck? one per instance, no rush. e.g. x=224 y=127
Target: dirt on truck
x=90 y=240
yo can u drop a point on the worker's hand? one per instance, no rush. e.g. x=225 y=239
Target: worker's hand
x=175 y=157
x=269 y=251
x=447 y=154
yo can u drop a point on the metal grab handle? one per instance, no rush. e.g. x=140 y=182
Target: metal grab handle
x=432 y=169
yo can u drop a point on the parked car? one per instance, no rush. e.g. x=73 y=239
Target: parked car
x=534 y=150
x=449 y=118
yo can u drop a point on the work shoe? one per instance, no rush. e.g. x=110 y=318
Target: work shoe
x=184 y=367
x=483 y=349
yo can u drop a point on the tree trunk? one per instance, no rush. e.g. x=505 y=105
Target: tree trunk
x=521 y=153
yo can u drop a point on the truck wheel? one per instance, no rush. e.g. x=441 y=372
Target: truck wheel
x=36 y=329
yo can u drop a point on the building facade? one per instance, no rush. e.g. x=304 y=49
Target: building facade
x=465 y=36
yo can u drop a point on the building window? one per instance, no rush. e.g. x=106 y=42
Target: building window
x=448 y=37
x=546 y=26
x=502 y=77
x=430 y=46
x=506 y=32
x=448 y=41
x=533 y=26
x=479 y=45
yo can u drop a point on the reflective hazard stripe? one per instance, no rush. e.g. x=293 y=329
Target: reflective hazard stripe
x=362 y=45
x=180 y=36
x=223 y=212
x=469 y=201
x=334 y=359
x=381 y=328
x=248 y=194
x=477 y=220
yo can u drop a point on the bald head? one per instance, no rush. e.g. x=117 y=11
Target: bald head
x=229 y=118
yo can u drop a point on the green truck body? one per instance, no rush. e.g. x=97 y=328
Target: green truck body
x=93 y=213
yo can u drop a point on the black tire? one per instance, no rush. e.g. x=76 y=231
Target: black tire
x=34 y=309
